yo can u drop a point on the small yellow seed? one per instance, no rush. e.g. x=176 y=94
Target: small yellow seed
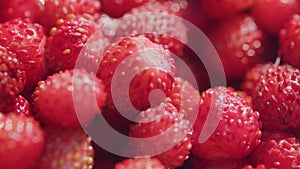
x=53 y=31
x=71 y=16
x=67 y=51
x=59 y=21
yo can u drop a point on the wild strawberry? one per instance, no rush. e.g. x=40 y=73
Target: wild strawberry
x=217 y=163
x=66 y=149
x=125 y=60
x=157 y=22
x=277 y=150
x=259 y=166
x=15 y=8
x=194 y=15
x=221 y=9
x=19 y=105
x=237 y=129
x=21 y=141
x=26 y=40
x=277 y=98
x=12 y=76
x=116 y=9
x=240 y=44
x=264 y=12
x=253 y=75
x=65 y=42
x=172 y=143
x=140 y=163
x=53 y=10
x=289 y=41
x=55 y=97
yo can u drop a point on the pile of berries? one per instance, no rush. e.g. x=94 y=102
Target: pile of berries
x=50 y=95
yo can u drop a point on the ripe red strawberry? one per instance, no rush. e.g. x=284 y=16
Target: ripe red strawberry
x=217 y=163
x=277 y=98
x=19 y=105
x=140 y=163
x=237 y=131
x=173 y=135
x=52 y=10
x=26 y=40
x=21 y=141
x=194 y=15
x=253 y=75
x=55 y=98
x=289 y=41
x=277 y=150
x=240 y=44
x=265 y=12
x=190 y=99
x=12 y=76
x=15 y=8
x=221 y=9
x=259 y=166
x=127 y=58
x=66 y=40
x=66 y=149
x=116 y=9
x=157 y=22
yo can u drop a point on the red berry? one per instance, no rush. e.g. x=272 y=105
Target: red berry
x=165 y=121
x=277 y=150
x=140 y=163
x=19 y=105
x=253 y=75
x=240 y=44
x=221 y=9
x=54 y=98
x=21 y=141
x=66 y=41
x=277 y=98
x=126 y=59
x=15 y=8
x=267 y=16
x=289 y=41
x=12 y=76
x=116 y=8
x=237 y=131
x=66 y=149
x=26 y=40
x=157 y=22
x=53 y=10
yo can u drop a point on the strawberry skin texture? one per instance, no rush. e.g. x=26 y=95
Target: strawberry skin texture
x=65 y=42
x=277 y=98
x=259 y=166
x=253 y=75
x=197 y=163
x=238 y=131
x=132 y=55
x=289 y=41
x=117 y=9
x=240 y=44
x=277 y=150
x=18 y=105
x=140 y=163
x=66 y=149
x=264 y=12
x=27 y=41
x=21 y=141
x=221 y=9
x=19 y=8
x=52 y=10
x=12 y=76
x=58 y=109
x=156 y=121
